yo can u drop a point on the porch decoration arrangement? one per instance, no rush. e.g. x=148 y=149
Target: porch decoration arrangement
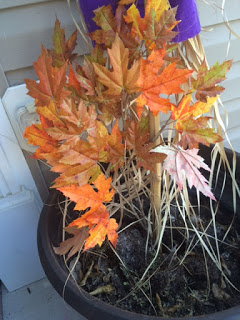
x=123 y=131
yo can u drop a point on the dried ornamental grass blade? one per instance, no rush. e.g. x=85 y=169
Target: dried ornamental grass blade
x=121 y=78
x=184 y=164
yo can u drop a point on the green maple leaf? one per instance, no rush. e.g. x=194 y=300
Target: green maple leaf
x=196 y=131
x=207 y=80
x=62 y=49
x=159 y=33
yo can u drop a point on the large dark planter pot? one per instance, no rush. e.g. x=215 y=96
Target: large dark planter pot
x=49 y=235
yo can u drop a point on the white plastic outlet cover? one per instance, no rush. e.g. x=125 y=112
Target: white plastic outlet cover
x=16 y=103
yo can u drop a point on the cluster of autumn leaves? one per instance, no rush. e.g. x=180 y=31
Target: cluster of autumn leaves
x=98 y=112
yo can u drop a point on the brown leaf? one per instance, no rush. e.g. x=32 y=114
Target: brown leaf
x=73 y=244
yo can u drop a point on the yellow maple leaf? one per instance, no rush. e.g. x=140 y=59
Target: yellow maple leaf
x=139 y=25
x=185 y=110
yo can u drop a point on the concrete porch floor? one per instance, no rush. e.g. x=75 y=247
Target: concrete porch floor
x=37 y=301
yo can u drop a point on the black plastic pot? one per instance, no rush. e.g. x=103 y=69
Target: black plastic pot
x=49 y=235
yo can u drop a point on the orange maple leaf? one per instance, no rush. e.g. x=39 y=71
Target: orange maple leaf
x=36 y=136
x=156 y=78
x=51 y=81
x=97 y=218
x=98 y=234
x=75 y=175
x=138 y=140
x=121 y=78
x=73 y=82
x=86 y=196
x=50 y=113
x=100 y=226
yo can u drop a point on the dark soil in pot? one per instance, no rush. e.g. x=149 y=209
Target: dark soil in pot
x=194 y=287
x=175 y=289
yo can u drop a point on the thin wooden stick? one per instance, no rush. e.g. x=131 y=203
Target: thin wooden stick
x=154 y=127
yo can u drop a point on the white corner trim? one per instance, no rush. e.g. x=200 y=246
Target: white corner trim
x=19 y=172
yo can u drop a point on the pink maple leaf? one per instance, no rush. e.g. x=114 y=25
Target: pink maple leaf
x=183 y=164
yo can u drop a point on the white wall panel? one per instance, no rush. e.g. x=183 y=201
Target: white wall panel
x=211 y=11
x=23 y=30
x=6 y=4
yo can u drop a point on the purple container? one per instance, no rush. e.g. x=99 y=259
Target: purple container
x=87 y=7
x=186 y=12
